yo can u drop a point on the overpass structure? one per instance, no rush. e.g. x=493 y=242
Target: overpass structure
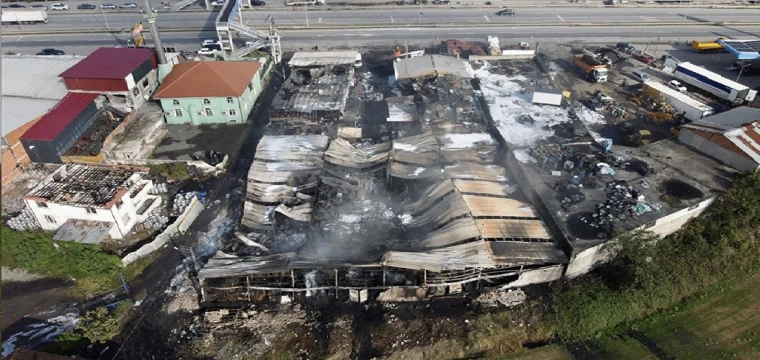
x=230 y=22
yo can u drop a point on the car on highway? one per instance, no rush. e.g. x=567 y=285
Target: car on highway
x=218 y=3
x=51 y=51
x=128 y=6
x=675 y=84
x=206 y=51
x=40 y=7
x=108 y=6
x=86 y=7
x=208 y=42
x=441 y=2
x=16 y=6
x=59 y=6
x=257 y=3
x=505 y=12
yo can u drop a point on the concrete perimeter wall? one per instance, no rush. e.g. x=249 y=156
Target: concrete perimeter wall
x=179 y=227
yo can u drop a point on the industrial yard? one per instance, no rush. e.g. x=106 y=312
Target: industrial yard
x=433 y=201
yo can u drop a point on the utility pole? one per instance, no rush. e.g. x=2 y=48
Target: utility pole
x=149 y=14
x=105 y=18
x=306 y=12
x=741 y=70
x=686 y=14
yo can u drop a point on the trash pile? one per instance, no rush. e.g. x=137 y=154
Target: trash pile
x=508 y=298
x=214 y=158
x=25 y=221
x=155 y=221
x=623 y=203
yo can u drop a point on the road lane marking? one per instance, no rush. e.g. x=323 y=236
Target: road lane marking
x=392 y=21
x=486 y=17
x=649 y=18
x=560 y=17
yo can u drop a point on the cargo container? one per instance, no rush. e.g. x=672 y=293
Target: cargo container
x=692 y=109
x=714 y=84
x=24 y=16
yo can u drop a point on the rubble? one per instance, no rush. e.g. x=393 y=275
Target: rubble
x=508 y=298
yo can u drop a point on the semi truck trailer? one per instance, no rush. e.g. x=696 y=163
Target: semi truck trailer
x=691 y=109
x=714 y=84
x=24 y=16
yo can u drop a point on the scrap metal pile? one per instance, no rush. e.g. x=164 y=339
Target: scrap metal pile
x=420 y=210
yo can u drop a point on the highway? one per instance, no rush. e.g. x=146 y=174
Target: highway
x=83 y=44
x=401 y=16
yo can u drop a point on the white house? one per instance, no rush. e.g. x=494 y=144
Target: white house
x=96 y=194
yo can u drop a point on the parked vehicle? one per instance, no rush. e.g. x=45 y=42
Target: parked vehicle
x=206 y=51
x=714 y=84
x=505 y=12
x=304 y=2
x=59 y=6
x=644 y=58
x=625 y=47
x=24 y=16
x=691 y=109
x=708 y=46
x=209 y=42
x=128 y=6
x=640 y=75
x=594 y=70
x=218 y=3
x=257 y=3
x=39 y=7
x=51 y=51
x=86 y=7
x=108 y=6
x=16 y=6
x=441 y=2
x=675 y=84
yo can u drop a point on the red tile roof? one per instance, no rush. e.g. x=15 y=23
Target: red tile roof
x=62 y=115
x=205 y=79
x=109 y=63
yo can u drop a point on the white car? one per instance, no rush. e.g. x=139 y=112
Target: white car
x=217 y=3
x=59 y=6
x=210 y=42
x=206 y=51
x=675 y=84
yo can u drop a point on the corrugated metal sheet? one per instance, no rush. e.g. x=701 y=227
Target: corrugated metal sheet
x=728 y=120
x=61 y=116
x=110 y=63
x=431 y=65
x=19 y=111
x=324 y=58
x=36 y=76
x=83 y=231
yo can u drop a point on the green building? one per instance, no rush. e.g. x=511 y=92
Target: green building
x=210 y=92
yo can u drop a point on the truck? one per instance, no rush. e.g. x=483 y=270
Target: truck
x=595 y=71
x=24 y=16
x=714 y=84
x=304 y=2
x=708 y=46
x=691 y=109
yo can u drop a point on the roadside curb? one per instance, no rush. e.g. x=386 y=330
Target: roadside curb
x=384 y=26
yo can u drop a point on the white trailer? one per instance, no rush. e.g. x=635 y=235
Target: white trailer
x=547 y=96
x=24 y=16
x=304 y=2
x=692 y=109
x=714 y=84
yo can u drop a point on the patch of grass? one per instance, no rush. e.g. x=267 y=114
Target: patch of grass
x=176 y=170
x=93 y=269
x=95 y=326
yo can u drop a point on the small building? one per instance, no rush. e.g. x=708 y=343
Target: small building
x=78 y=195
x=547 y=96
x=122 y=74
x=31 y=87
x=210 y=92
x=732 y=137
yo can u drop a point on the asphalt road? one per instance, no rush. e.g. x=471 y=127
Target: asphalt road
x=401 y=16
x=83 y=44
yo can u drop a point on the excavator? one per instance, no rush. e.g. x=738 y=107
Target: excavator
x=634 y=138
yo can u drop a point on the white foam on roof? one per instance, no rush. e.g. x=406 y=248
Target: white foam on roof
x=463 y=141
x=404 y=147
x=506 y=104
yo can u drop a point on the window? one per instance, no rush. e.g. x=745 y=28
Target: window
x=175 y=102
x=145 y=83
x=250 y=86
x=91 y=210
x=42 y=204
x=206 y=101
x=50 y=219
x=178 y=112
x=135 y=91
x=229 y=100
x=209 y=112
x=119 y=204
x=233 y=112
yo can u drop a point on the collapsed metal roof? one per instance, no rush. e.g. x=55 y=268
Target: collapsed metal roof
x=303 y=59
x=431 y=65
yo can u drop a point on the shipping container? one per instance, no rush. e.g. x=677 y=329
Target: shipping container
x=692 y=109
x=24 y=16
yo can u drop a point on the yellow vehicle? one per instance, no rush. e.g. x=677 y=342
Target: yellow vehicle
x=708 y=46
x=635 y=138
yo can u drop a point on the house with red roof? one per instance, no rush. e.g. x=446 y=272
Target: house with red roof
x=102 y=89
x=126 y=74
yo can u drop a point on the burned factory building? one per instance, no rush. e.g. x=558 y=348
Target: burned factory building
x=397 y=194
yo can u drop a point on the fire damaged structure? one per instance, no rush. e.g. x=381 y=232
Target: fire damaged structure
x=359 y=207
